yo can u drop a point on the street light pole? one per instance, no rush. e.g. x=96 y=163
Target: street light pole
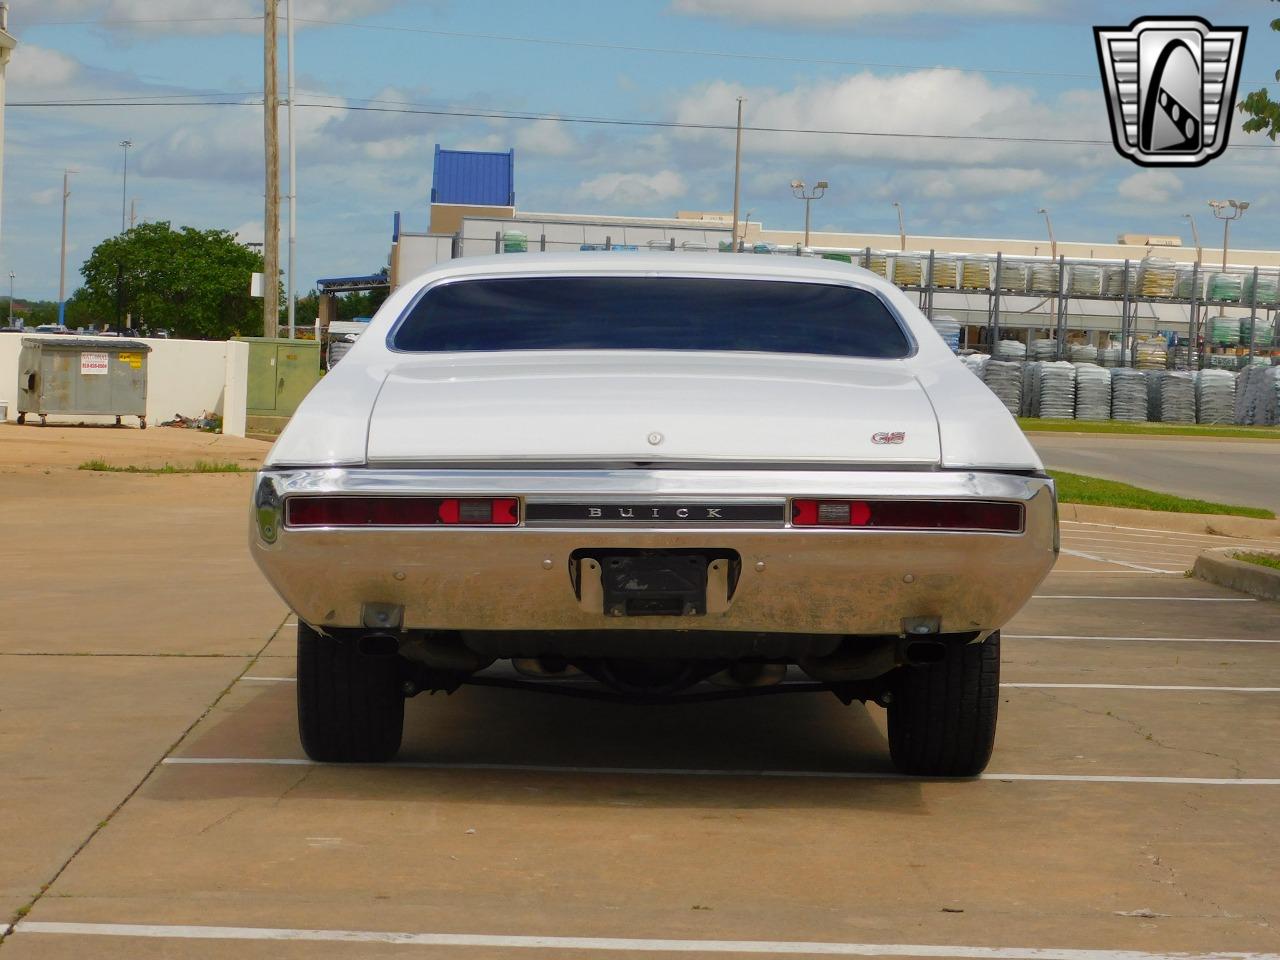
x=1195 y=236
x=1226 y=211
x=124 y=184
x=11 y=298
x=737 y=176
x=1053 y=244
x=62 y=266
x=798 y=191
x=902 y=228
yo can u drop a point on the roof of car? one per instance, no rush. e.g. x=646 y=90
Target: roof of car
x=745 y=265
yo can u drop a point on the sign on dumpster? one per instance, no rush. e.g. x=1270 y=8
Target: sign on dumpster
x=93 y=363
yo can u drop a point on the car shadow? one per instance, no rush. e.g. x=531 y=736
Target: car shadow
x=484 y=745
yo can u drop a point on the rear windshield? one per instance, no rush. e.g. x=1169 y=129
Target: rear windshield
x=651 y=313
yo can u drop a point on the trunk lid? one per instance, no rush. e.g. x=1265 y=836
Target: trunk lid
x=651 y=407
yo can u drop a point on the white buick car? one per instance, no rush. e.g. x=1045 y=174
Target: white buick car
x=653 y=477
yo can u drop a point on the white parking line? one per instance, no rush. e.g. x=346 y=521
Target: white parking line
x=1136 y=686
x=1050 y=636
x=693 y=772
x=1163 y=533
x=1074 y=596
x=1076 y=686
x=1149 y=539
x=1121 y=563
x=619 y=944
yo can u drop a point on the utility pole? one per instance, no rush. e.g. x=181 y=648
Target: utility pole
x=62 y=267
x=293 y=182
x=737 y=175
x=271 y=136
x=124 y=182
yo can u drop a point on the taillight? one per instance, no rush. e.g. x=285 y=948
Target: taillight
x=909 y=514
x=401 y=511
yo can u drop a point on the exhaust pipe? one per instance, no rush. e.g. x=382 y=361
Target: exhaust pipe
x=920 y=653
x=378 y=644
x=743 y=675
x=545 y=668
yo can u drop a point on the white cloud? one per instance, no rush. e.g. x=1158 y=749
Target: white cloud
x=198 y=16
x=249 y=232
x=1150 y=186
x=35 y=68
x=835 y=12
x=42 y=198
x=934 y=102
x=634 y=189
x=545 y=138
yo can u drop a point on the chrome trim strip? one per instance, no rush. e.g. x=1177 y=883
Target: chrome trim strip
x=746 y=485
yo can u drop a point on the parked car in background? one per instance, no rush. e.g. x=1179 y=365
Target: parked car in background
x=654 y=471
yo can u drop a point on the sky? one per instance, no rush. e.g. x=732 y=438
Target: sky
x=1017 y=68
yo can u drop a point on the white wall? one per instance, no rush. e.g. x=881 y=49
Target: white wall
x=183 y=376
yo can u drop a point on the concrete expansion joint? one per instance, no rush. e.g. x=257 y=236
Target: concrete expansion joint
x=167 y=752
x=1150 y=737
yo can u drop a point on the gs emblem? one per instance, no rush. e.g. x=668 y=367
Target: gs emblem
x=897 y=436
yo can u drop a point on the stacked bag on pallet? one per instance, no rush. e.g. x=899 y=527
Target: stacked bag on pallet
x=1171 y=396
x=976 y=363
x=948 y=329
x=1004 y=378
x=1045 y=386
x=1129 y=395
x=1084 y=353
x=1152 y=353
x=1085 y=280
x=1010 y=350
x=1215 y=396
x=1093 y=392
x=1044 y=349
x=1258 y=396
x=1109 y=356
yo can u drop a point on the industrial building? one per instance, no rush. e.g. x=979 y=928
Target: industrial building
x=1079 y=292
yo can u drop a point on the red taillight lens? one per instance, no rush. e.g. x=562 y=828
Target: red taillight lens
x=401 y=511
x=909 y=514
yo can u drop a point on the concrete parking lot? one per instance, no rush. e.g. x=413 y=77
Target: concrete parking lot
x=158 y=803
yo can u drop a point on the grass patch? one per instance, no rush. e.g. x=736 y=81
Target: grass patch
x=1224 y=430
x=200 y=466
x=1271 y=560
x=1076 y=488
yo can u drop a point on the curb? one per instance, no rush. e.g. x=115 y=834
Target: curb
x=1220 y=566
x=1243 y=528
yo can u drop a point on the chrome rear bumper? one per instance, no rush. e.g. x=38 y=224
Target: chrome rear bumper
x=792 y=580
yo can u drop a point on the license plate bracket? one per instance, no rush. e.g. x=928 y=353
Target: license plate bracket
x=654 y=585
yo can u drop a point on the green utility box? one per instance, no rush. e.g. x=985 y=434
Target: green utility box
x=79 y=375
x=281 y=373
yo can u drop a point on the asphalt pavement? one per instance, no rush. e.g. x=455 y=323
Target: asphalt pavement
x=1241 y=472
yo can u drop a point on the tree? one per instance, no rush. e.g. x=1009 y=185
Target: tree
x=1263 y=111
x=193 y=283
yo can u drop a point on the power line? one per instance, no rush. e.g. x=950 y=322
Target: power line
x=115 y=21
x=396 y=107
x=594 y=45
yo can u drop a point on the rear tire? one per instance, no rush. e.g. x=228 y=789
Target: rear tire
x=350 y=707
x=942 y=718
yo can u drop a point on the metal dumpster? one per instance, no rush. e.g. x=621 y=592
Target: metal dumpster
x=81 y=375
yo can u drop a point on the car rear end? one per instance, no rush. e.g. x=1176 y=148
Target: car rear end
x=655 y=480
